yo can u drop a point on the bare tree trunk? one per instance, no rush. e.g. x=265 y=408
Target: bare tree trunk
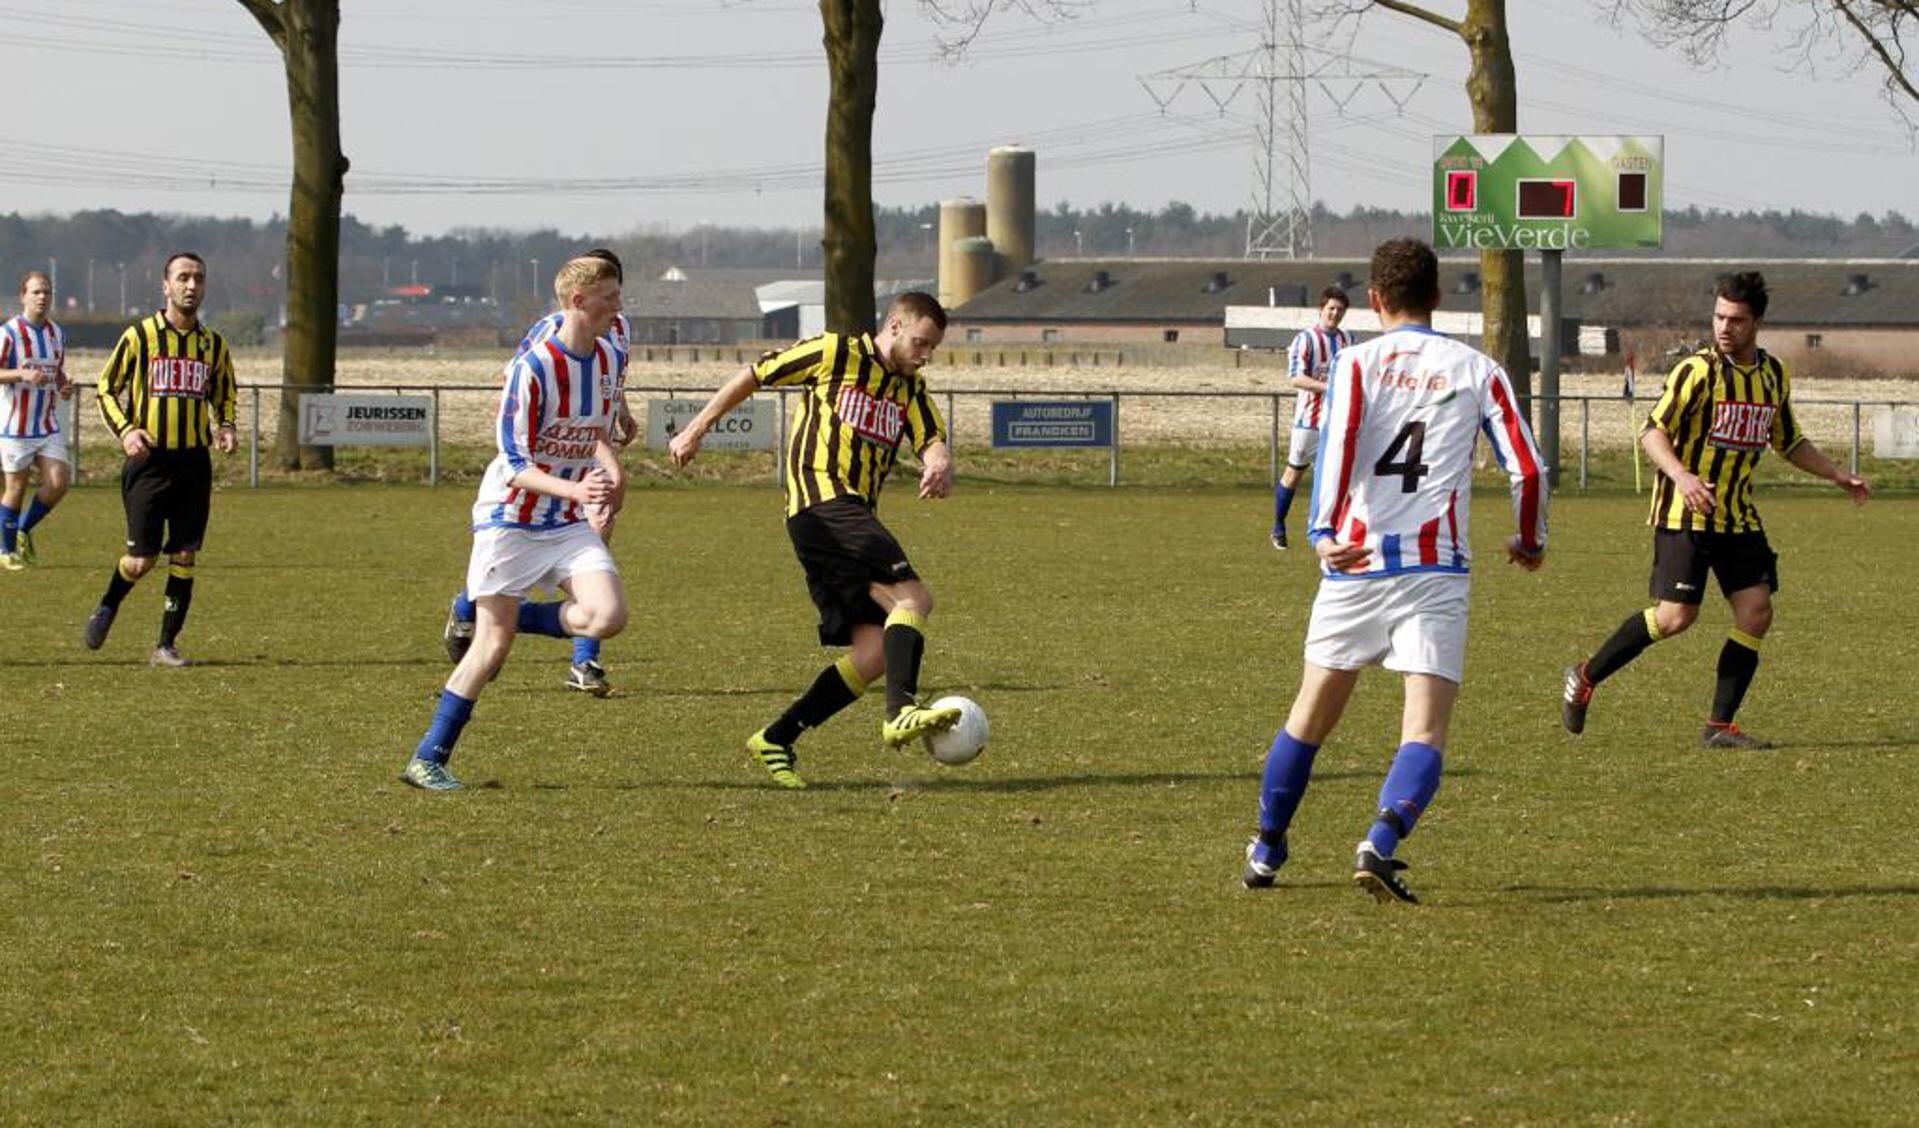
x=308 y=35
x=1494 y=93
x=852 y=53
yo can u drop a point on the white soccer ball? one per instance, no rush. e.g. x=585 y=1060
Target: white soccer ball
x=962 y=743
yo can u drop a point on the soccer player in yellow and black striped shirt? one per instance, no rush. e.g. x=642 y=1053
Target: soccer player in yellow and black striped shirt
x=1720 y=411
x=168 y=393
x=862 y=397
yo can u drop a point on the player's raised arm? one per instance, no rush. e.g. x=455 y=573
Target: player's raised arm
x=1518 y=455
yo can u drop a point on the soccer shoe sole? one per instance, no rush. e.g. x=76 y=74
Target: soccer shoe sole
x=98 y=624
x=1572 y=713
x=1384 y=886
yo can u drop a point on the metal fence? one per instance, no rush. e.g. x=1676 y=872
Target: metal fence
x=462 y=414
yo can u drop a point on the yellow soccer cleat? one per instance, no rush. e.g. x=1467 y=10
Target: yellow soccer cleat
x=779 y=760
x=916 y=721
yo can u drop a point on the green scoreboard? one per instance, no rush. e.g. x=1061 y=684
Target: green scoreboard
x=1509 y=191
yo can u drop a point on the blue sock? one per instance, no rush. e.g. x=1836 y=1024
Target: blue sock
x=585 y=650
x=1282 y=505
x=1407 y=792
x=463 y=607
x=1289 y=766
x=542 y=619
x=9 y=528
x=452 y=715
x=35 y=510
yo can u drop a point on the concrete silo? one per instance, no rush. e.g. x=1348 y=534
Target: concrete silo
x=972 y=271
x=961 y=218
x=1011 y=220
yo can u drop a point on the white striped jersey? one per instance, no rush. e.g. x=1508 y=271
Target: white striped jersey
x=620 y=336
x=1395 y=470
x=29 y=411
x=1311 y=355
x=555 y=409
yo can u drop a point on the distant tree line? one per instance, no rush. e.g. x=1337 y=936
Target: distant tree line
x=95 y=250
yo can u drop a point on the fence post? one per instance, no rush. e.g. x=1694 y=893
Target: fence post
x=779 y=448
x=1272 y=447
x=1112 y=473
x=73 y=456
x=952 y=427
x=1585 y=439
x=253 y=442
x=433 y=441
x=1855 y=438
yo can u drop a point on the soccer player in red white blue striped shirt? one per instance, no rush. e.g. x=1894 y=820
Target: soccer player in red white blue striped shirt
x=584 y=672
x=1392 y=494
x=33 y=382
x=1308 y=359
x=554 y=483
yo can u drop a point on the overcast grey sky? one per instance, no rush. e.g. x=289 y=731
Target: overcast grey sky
x=492 y=112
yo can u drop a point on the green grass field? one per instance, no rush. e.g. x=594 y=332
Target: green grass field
x=223 y=908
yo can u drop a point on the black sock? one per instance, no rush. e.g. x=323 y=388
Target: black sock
x=1738 y=662
x=1633 y=636
x=179 y=598
x=838 y=686
x=904 y=645
x=117 y=589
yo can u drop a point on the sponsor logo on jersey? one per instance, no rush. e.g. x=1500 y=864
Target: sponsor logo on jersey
x=875 y=420
x=1742 y=426
x=566 y=441
x=177 y=376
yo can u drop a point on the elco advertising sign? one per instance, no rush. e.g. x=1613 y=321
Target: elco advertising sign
x=754 y=425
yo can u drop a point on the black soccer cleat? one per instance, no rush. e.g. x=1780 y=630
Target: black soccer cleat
x=457 y=635
x=1279 y=539
x=1264 y=856
x=1730 y=735
x=98 y=624
x=1380 y=876
x=1575 y=698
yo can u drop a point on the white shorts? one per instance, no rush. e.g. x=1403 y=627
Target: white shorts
x=1413 y=624
x=1303 y=447
x=18 y=454
x=515 y=561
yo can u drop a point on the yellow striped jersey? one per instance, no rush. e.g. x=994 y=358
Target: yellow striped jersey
x=846 y=435
x=1721 y=417
x=176 y=386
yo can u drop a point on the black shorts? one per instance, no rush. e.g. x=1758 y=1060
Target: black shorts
x=167 y=495
x=1680 y=561
x=845 y=550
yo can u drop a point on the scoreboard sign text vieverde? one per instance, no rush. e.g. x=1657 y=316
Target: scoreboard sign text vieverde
x=1505 y=191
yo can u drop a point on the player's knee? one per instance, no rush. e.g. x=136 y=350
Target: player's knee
x=600 y=621
x=1674 y=618
x=1755 y=621
x=133 y=567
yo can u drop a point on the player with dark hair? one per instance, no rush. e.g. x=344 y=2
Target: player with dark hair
x=863 y=396
x=33 y=382
x=1722 y=407
x=584 y=672
x=1308 y=361
x=168 y=393
x=1391 y=501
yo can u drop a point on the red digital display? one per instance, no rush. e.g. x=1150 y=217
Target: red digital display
x=1548 y=199
x=1462 y=191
